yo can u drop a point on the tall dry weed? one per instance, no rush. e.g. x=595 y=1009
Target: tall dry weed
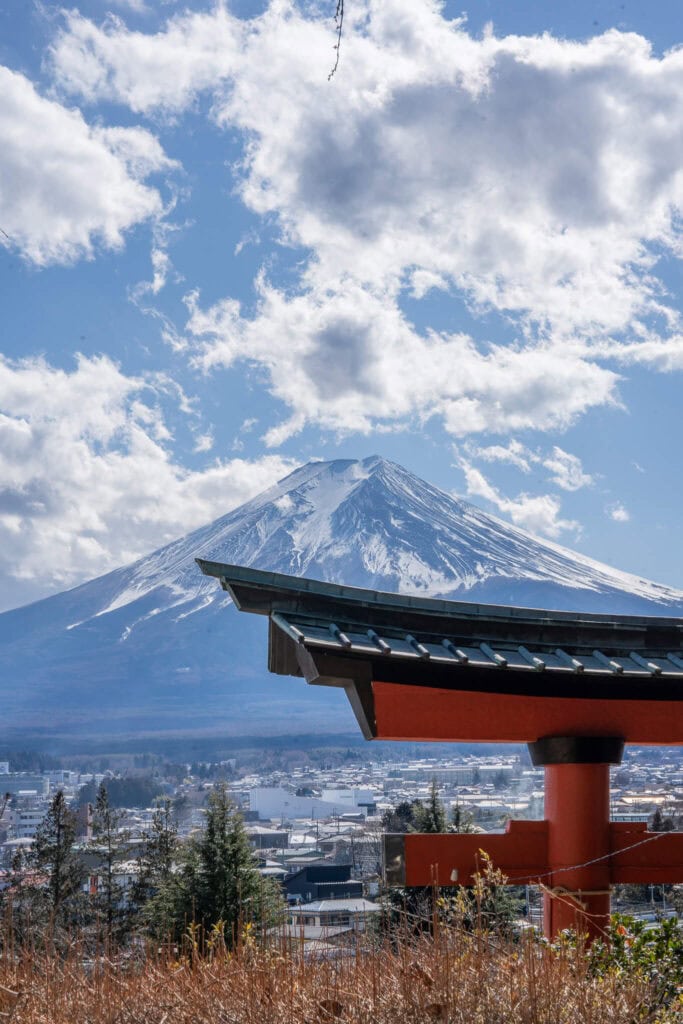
x=455 y=977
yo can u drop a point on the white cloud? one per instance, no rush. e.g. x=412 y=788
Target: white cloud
x=539 y=514
x=88 y=480
x=618 y=513
x=663 y=354
x=534 y=176
x=137 y=6
x=417 y=164
x=148 y=72
x=204 y=442
x=66 y=186
x=350 y=361
x=161 y=267
x=567 y=471
x=513 y=453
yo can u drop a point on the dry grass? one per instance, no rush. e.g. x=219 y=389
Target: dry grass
x=459 y=978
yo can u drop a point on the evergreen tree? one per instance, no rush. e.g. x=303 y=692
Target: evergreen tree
x=16 y=902
x=402 y=817
x=431 y=817
x=413 y=907
x=489 y=904
x=214 y=882
x=160 y=891
x=227 y=886
x=54 y=857
x=659 y=823
x=461 y=820
x=110 y=846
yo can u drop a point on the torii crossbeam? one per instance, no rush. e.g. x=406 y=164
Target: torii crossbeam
x=575 y=687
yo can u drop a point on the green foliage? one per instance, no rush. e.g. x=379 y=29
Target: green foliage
x=28 y=760
x=159 y=894
x=413 y=907
x=658 y=823
x=136 y=791
x=53 y=853
x=407 y=910
x=416 y=816
x=110 y=845
x=226 y=885
x=51 y=897
x=489 y=905
x=402 y=818
x=431 y=817
x=462 y=821
x=635 y=948
x=215 y=882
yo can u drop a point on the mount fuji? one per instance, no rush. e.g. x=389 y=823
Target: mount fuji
x=153 y=648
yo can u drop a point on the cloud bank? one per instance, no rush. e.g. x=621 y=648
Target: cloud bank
x=535 y=179
x=88 y=477
x=66 y=186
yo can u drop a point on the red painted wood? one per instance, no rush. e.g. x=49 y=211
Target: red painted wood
x=640 y=857
x=577 y=816
x=552 y=852
x=433 y=859
x=421 y=714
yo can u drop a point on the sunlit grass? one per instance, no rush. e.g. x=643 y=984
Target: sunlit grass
x=455 y=977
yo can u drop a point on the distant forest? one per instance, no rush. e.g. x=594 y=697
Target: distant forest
x=136 y=791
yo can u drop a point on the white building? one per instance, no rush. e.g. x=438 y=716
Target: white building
x=26 y=821
x=334 y=913
x=278 y=802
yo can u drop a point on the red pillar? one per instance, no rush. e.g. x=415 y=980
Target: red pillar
x=577 y=812
x=577 y=817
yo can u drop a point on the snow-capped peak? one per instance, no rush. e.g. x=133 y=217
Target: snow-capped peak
x=153 y=646
x=371 y=523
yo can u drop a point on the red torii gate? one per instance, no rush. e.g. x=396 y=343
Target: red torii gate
x=574 y=687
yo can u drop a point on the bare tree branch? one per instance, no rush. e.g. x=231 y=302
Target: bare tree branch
x=339 y=25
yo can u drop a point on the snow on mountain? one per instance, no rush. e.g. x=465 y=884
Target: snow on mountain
x=152 y=645
x=374 y=524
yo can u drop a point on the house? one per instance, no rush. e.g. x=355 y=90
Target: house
x=262 y=838
x=334 y=913
x=322 y=881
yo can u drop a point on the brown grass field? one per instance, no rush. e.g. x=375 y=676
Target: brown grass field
x=456 y=977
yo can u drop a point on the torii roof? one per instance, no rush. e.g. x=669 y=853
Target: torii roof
x=394 y=651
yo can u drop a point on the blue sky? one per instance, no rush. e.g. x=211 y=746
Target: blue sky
x=463 y=252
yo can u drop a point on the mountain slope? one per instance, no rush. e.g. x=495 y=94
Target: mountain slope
x=153 y=646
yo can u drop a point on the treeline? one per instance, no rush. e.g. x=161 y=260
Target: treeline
x=429 y=816
x=28 y=760
x=100 y=893
x=133 y=791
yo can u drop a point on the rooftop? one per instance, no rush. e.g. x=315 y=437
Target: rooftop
x=372 y=644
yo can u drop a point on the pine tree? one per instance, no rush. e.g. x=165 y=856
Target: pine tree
x=431 y=817
x=462 y=821
x=53 y=856
x=413 y=907
x=110 y=847
x=659 y=823
x=159 y=891
x=212 y=882
x=402 y=817
x=229 y=888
